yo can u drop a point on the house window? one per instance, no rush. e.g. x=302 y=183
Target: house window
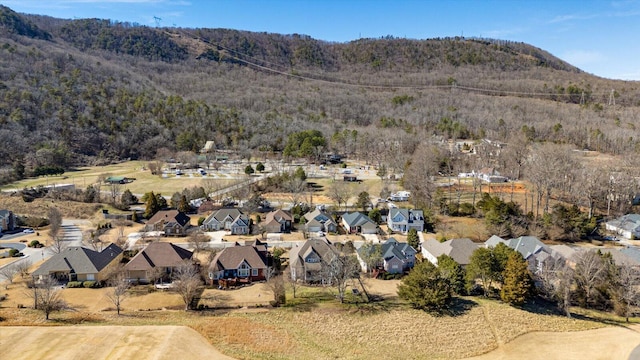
x=243 y=272
x=254 y=272
x=90 y=277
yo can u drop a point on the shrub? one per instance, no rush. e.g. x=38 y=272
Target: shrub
x=74 y=284
x=14 y=253
x=35 y=244
x=91 y=284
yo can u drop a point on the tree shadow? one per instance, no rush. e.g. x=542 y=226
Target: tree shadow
x=459 y=306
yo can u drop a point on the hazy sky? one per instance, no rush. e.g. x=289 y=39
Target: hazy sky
x=599 y=37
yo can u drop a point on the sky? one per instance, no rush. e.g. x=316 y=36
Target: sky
x=599 y=37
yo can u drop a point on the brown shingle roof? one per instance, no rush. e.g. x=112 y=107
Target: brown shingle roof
x=158 y=254
x=165 y=216
x=232 y=257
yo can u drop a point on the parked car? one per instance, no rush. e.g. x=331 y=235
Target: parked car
x=28 y=231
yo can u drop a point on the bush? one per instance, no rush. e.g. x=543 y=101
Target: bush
x=35 y=244
x=15 y=253
x=74 y=284
x=91 y=284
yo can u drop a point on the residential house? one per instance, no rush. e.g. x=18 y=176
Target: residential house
x=494 y=240
x=358 y=223
x=76 y=263
x=400 y=196
x=230 y=219
x=278 y=221
x=622 y=258
x=156 y=261
x=172 y=222
x=458 y=249
x=403 y=220
x=395 y=257
x=7 y=220
x=628 y=226
x=318 y=220
x=307 y=262
x=534 y=251
x=491 y=175
x=243 y=262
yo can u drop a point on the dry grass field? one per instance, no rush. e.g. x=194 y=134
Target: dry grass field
x=312 y=326
x=105 y=342
x=145 y=181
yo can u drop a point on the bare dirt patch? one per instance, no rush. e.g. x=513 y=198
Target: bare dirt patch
x=606 y=343
x=106 y=342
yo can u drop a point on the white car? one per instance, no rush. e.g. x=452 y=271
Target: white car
x=28 y=231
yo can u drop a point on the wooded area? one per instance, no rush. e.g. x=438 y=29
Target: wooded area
x=88 y=91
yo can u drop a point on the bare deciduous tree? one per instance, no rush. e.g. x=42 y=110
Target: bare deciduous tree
x=198 y=241
x=589 y=273
x=118 y=291
x=557 y=280
x=7 y=273
x=275 y=284
x=339 y=271
x=296 y=188
x=626 y=293
x=47 y=297
x=55 y=227
x=339 y=192
x=291 y=280
x=187 y=282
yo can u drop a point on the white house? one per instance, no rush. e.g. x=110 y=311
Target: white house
x=628 y=226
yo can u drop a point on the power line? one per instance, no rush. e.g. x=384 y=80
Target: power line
x=323 y=79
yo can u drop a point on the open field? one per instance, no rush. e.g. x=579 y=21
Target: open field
x=312 y=326
x=618 y=342
x=145 y=181
x=106 y=342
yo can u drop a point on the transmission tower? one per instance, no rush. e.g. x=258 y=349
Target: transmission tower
x=157 y=19
x=612 y=98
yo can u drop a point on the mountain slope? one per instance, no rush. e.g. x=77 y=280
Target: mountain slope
x=81 y=91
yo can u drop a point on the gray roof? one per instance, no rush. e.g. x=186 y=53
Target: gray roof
x=459 y=249
x=321 y=246
x=494 y=240
x=357 y=219
x=222 y=214
x=620 y=258
x=392 y=248
x=319 y=216
x=628 y=222
x=79 y=260
x=528 y=246
x=632 y=252
x=564 y=251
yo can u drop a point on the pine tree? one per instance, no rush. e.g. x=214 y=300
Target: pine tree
x=517 y=281
x=184 y=206
x=425 y=288
x=453 y=271
x=412 y=238
x=152 y=206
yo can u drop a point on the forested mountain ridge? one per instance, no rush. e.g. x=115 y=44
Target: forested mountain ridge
x=81 y=91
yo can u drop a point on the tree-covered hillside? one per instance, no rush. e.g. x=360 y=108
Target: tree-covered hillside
x=84 y=91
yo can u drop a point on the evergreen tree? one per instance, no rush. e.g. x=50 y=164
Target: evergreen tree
x=127 y=198
x=517 y=285
x=481 y=266
x=375 y=215
x=425 y=288
x=152 y=206
x=452 y=271
x=184 y=206
x=364 y=200
x=413 y=239
x=300 y=174
x=249 y=170
x=260 y=167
